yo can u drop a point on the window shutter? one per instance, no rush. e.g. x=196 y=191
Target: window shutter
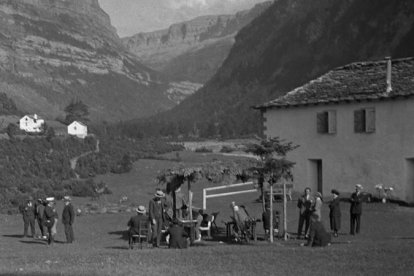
x=370 y=120
x=322 y=122
x=359 y=120
x=332 y=121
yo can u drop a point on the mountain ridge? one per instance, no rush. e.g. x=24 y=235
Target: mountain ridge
x=289 y=44
x=191 y=50
x=52 y=51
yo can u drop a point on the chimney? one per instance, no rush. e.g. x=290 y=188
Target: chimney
x=389 y=68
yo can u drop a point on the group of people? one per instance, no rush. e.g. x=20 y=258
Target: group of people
x=161 y=222
x=44 y=212
x=310 y=215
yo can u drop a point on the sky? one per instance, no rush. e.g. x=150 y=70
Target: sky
x=133 y=16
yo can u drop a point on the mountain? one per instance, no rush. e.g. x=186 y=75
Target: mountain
x=53 y=51
x=288 y=45
x=192 y=50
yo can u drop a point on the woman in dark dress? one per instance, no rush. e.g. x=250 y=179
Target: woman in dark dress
x=335 y=213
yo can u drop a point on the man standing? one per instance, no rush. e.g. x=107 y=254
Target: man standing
x=335 y=213
x=356 y=209
x=135 y=223
x=40 y=208
x=156 y=217
x=29 y=214
x=305 y=205
x=50 y=218
x=68 y=217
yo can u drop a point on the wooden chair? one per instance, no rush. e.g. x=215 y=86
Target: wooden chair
x=208 y=227
x=213 y=223
x=142 y=236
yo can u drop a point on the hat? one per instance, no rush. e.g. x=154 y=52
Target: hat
x=67 y=198
x=30 y=198
x=159 y=193
x=334 y=191
x=49 y=199
x=318 y=194
x=359 y=186
x=140 y=209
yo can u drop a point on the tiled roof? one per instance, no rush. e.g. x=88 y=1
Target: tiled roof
x=353 y=82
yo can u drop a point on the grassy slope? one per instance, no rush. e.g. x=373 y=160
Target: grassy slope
x=384 y=247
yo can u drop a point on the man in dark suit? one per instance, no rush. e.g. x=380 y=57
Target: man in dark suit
x=68 y=218
x=136 y=222
x=305 y=205
x=29 y=214
x=356 y=209
x=50 y=218
x=335 y=212
x=178 y=236
x=40 y=207
x=318 y=236
x=156 y=217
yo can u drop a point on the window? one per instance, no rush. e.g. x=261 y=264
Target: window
x=364 y=120
x=326 y=122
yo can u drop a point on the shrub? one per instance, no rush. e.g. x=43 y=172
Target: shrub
x=203 y=149
x=227 y=149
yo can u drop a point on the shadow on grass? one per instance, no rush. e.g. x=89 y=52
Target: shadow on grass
x=118 y=247
x=123 y=234
x=14 y=236
x=34 y=242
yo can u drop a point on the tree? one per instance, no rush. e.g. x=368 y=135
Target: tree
x=76 y=111
x=273 y=167
x=12 y=130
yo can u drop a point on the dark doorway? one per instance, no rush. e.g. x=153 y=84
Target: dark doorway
x=315 y=175
x=409 y=182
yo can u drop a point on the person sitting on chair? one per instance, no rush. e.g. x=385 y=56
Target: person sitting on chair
x=178 y=236
x=134 y=223
x=318 y=236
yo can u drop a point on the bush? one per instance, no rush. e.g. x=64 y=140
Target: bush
x=203 y=149
x=227 y=149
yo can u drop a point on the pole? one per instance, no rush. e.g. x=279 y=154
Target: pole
x=204 y=199
x=190 y=203
x=284 y=211
x=271 y=213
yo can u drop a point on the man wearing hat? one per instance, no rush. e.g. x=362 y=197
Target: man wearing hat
x=156 y=217
x=136 y=222
x=335 y=213
x=29 y=214
x=50 y=218
x=68 y=217
x=356 y=209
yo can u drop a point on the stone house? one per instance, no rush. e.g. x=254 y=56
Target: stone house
x=31 y=123
x=78 y=129
x=354 y=124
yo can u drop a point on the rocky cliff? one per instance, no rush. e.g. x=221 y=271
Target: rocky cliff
x=52 y=51
x=192 y=50
x=288 y=45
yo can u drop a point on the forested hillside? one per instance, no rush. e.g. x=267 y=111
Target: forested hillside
x=288 y=45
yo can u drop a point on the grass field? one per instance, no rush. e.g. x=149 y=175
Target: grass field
x=385 y=246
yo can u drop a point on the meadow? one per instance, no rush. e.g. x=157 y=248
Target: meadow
x=384 y=247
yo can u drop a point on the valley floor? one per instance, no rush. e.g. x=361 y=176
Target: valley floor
x=385 y=246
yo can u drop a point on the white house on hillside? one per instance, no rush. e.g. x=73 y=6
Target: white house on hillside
x=78 y=129
x=31 y=123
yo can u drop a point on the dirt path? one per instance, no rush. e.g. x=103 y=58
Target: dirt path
x=74 y=160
